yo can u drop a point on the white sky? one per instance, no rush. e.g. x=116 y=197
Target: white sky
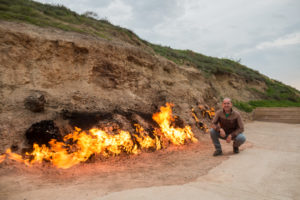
x=264 y=34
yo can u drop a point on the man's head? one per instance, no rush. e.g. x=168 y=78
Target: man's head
x=226 y=104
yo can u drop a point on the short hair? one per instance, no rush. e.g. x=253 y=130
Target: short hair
x=227 y=98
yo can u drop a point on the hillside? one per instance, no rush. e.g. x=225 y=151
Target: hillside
x=45 y=15
x=85 y=71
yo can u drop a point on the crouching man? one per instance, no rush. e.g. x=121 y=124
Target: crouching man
x=228 y=125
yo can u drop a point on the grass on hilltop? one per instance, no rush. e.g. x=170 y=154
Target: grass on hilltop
x=58 y=16
x=210 y=65
x=250 y=105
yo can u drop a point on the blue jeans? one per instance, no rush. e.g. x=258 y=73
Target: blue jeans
x=238 y=141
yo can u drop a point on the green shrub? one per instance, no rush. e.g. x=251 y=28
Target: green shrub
x=242 y=106
x=249 y=106
x=274 y=103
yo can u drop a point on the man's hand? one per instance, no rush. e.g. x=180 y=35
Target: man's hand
x=228 y=139
x=222 y=133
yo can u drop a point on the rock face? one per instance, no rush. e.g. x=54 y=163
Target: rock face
x=79 y=73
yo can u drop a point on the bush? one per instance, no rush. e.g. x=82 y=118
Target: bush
x=244 y=106
x=273 y=103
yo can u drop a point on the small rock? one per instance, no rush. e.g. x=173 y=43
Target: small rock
x=14 y=147
x=35 y=102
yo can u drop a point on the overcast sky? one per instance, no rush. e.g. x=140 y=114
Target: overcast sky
x=264 y=34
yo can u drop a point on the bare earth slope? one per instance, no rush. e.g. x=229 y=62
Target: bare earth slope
x=79 y=73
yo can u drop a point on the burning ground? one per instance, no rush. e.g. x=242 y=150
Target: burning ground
x=126 y=160
x=80 y=145
x=62 y=170
x=174 y=165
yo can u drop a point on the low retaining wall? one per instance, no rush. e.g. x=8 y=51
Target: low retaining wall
x=284 y=115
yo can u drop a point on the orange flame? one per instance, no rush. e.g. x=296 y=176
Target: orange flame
x=195 y=116
x=176 y=135
x=210 y=113
x=78 y=146
x=14 y=156
x=2 y=158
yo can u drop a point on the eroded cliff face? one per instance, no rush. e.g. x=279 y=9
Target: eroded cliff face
x=81 y=74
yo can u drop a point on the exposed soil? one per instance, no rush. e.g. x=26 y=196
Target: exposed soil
x=46 y=73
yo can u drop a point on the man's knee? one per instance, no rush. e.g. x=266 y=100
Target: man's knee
x=212 y=131
x=241 y=138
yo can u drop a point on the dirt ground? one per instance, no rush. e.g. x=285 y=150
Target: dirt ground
x=268 y=167
x=268 y=170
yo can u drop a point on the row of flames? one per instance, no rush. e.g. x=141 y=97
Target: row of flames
x=209 y=113
x=78 y=146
